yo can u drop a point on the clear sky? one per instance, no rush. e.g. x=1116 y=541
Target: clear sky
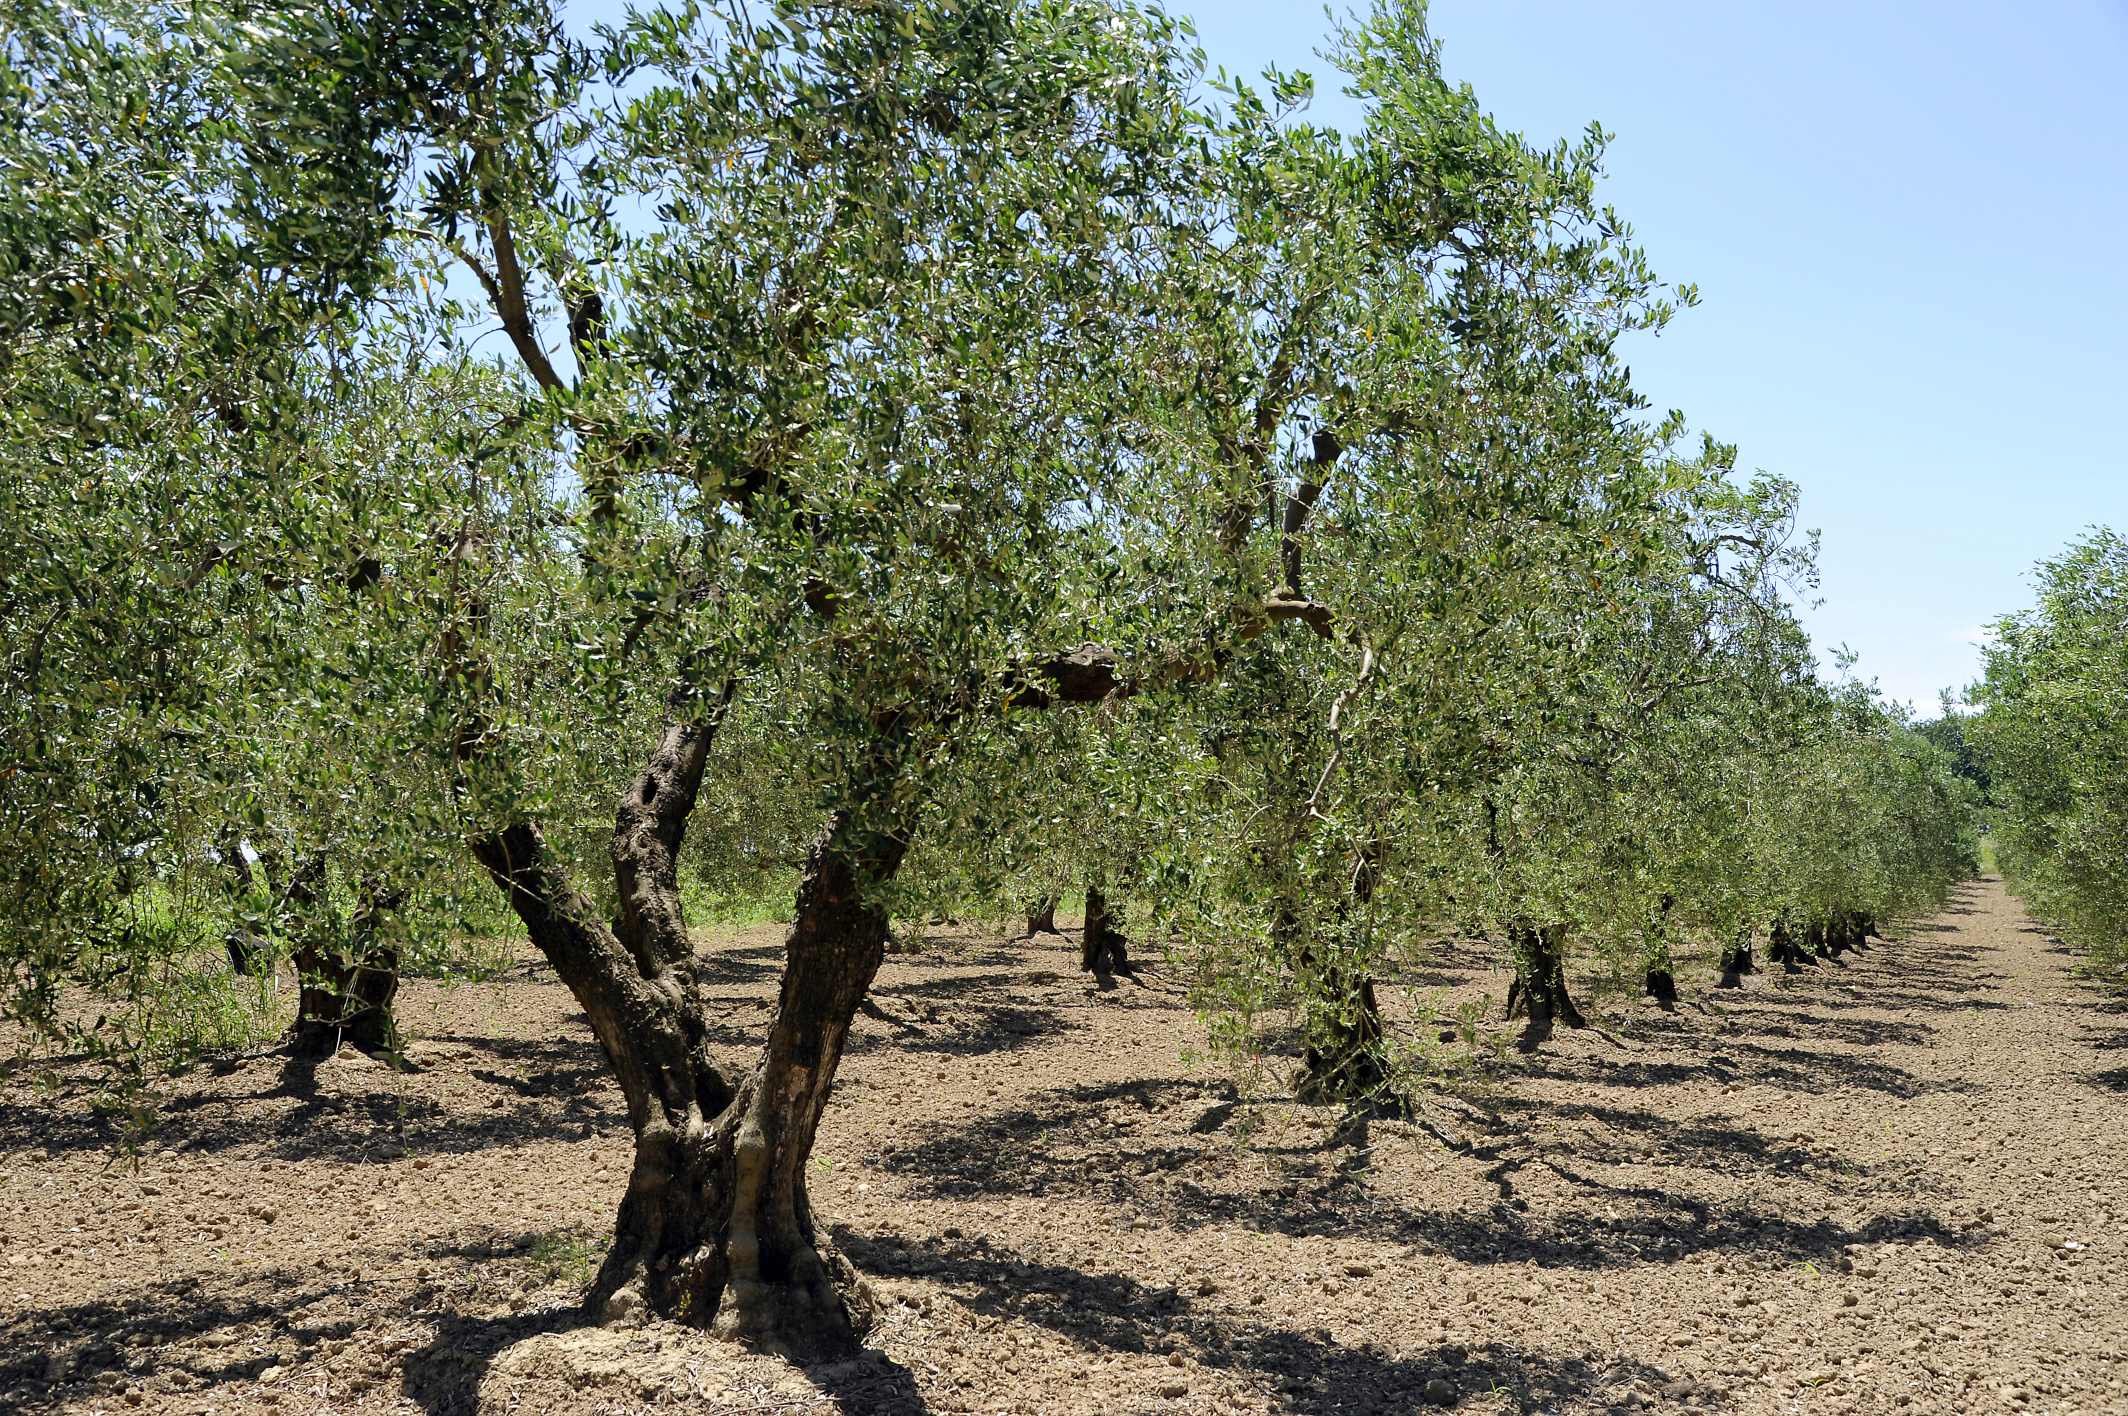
x=1909 y=227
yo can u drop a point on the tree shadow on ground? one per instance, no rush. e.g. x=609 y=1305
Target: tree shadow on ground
x=968 y=1016
x=184 y=1340
x=1310 y=1369
x=351 y=1113
x=1794 y=1068
x=750 y=964
x=1325 y=1177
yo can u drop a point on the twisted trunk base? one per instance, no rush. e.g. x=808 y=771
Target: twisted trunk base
x=1539 y=990
x=716 y=1227
x=1782 y=949
x=1736 y=961
x=1660 y=980
x=346 y=1000
x=1820 y=942
x=346 y=990
x=1042 y=917
x=1343 y=1059
x=1101 y=946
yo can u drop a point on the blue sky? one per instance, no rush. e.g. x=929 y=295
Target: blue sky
x=1909 y=227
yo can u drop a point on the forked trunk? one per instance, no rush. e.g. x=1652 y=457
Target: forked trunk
x=1539 y=990
x=715 y=1227
x=1101 y=946
x=1042 y=917
x=346 y=992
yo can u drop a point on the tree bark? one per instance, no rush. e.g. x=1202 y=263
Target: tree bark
x=1343 y=1059
x=1101 y=946
x=1042 y=917
x=346 y=992
x=715 y=1227
x=247 y=952
x=1736 y=960
x=1660 y=980
x=1539 y=990
x=1814 y=948
x=1781 y=948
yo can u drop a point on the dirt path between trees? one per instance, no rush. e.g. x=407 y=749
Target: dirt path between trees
x=1892 y=1184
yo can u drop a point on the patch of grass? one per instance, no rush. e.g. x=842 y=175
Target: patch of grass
x=562 y=1254
x=209 y=1008
x=186 y=1001
x=771 y=903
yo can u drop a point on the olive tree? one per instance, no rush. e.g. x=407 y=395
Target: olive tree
x=836 y=412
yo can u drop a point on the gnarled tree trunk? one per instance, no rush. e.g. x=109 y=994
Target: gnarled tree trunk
x=1101 y=946
x=715 y=1227
x=340 y=997
x=1343 y=1057
x=1042 y=917
x=1539 y=990
x=1660 y=980
x=1815 y=949
x=1782 y=949
x=1736 y=960
x=1342 y=1060
x=346 y=993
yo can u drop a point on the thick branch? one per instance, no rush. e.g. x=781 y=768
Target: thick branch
x=1301 y=503
x=651 y=823
x=506 y=283
x=631 y=1015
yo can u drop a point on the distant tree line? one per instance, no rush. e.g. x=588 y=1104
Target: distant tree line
x=2052 y=735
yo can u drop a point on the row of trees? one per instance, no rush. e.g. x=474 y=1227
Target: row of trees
x=937 y=451
x=2052 y=736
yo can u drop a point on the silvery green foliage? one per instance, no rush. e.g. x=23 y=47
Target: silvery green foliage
x=2050 y=730
x=409 y=407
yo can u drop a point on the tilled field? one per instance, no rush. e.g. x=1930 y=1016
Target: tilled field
x=1887 y=1184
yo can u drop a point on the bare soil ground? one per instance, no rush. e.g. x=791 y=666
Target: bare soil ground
x=1888 y=1185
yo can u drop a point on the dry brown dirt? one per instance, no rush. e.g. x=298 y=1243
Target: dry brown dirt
x=1892 y=1185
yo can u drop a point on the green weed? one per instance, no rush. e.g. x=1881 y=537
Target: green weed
x=559 y=1254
